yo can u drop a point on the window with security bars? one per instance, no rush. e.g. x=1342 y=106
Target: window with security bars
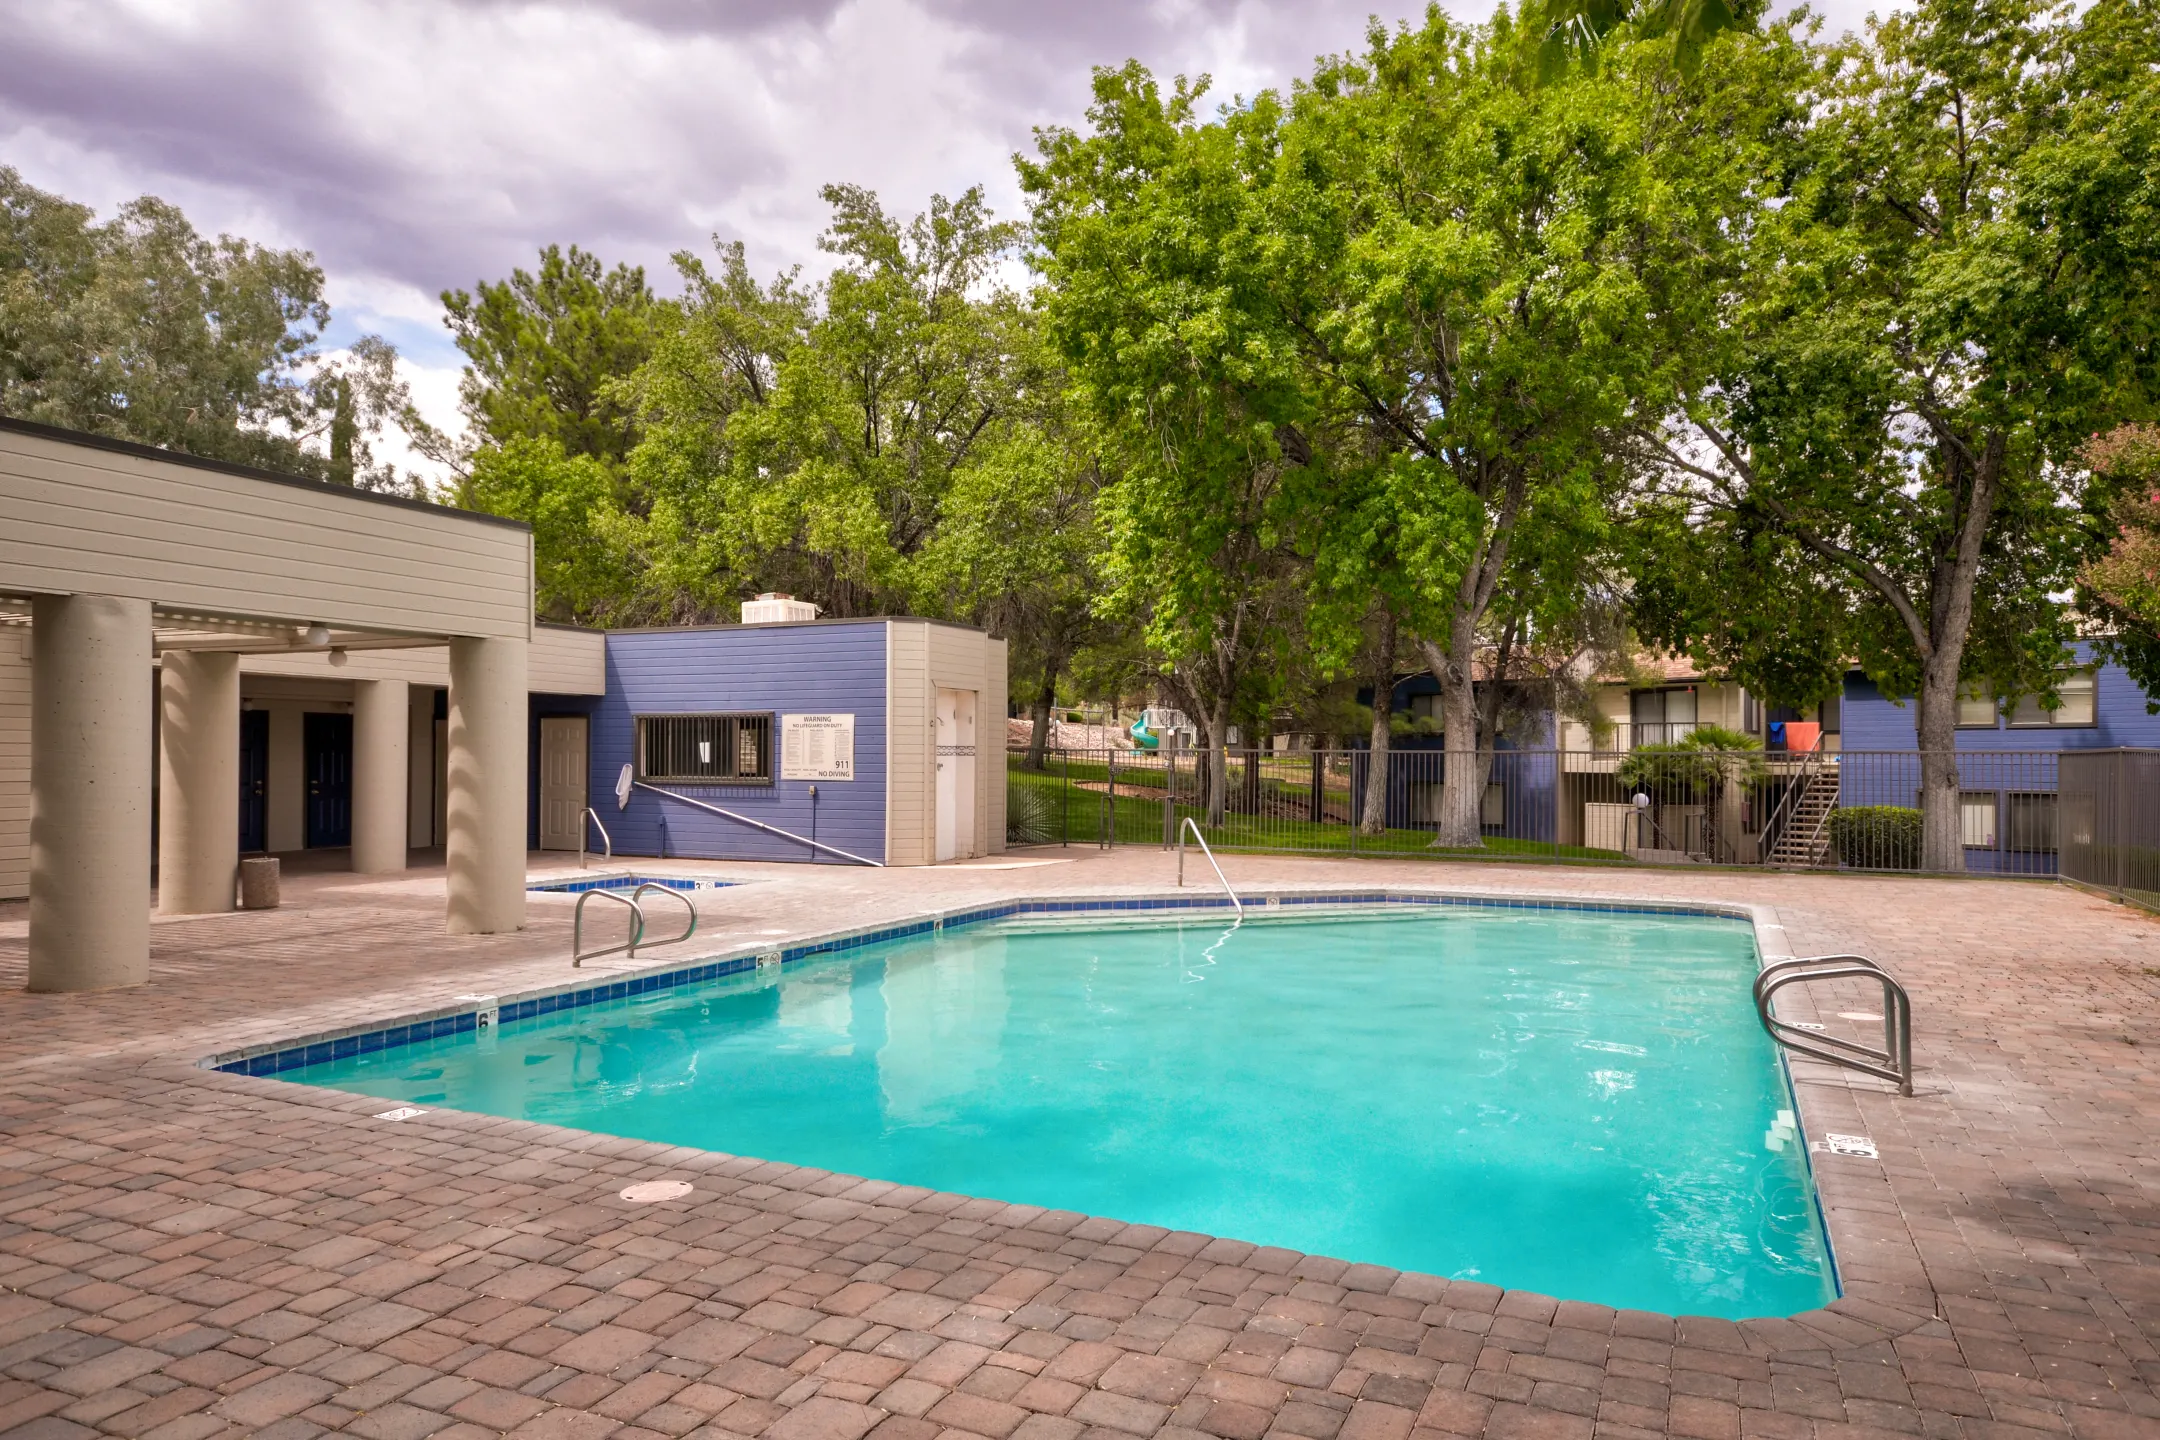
x=705 y=749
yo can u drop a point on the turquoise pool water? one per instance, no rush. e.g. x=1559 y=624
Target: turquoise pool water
x=1568 y=1102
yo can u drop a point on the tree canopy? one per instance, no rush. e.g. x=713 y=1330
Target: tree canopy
x=140 y=328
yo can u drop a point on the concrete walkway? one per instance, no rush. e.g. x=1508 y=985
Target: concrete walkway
x=187 y=1254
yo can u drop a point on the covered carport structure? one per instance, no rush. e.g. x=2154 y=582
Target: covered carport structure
x=120 y=563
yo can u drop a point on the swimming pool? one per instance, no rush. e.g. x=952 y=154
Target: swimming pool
x=1576 y=1103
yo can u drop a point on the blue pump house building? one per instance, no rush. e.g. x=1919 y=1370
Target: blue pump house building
x=700 y=746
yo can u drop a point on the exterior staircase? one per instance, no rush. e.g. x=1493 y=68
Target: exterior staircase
x=1804 y=842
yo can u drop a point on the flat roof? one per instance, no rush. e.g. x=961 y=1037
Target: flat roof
x=252 y=472
x=794 y=625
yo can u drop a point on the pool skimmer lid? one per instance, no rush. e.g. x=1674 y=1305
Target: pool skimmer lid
x=651 y=1191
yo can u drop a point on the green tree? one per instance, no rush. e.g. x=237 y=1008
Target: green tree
x=141 y=329
x=569 y=501
x=1472 y=259
x=1909 y=333
x=1019 y=546
x=809 y=440
x=548 y=352
x=2120 y=585
x=1157 y=251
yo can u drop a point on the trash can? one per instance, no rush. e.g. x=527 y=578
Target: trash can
x=259 y=883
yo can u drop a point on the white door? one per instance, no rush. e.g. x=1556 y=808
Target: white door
x=955 y=774
x=562 y=781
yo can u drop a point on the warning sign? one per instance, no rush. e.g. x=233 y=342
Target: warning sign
x=817 y=747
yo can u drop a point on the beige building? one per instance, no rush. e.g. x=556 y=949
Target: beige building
x=153 y=604
x=1665 y=701
x=200 y=661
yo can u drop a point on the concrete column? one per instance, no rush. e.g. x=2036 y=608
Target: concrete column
x=90 y=792
x=486 y=844
x=198 y=782
x=381 y=735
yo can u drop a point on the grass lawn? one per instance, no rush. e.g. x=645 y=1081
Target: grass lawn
x=1045 y=810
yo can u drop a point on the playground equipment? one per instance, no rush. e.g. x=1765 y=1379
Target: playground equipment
x=1156 y=723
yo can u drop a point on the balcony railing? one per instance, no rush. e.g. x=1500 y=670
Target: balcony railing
x=1628 y=735
x=1632 y=735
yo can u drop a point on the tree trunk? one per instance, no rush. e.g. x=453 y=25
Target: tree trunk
x=1374 y=820
x=1039 y=737
x=1939 y=840
x=1462 y=780
x=1942 y=659
x=1217 y=770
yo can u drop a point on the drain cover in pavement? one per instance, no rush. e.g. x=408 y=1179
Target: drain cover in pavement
x=652 y=1190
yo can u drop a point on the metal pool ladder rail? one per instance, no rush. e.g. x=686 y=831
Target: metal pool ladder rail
x=1191 y=825
x=594 y=816
x=1893 y=1062
x=636 y=903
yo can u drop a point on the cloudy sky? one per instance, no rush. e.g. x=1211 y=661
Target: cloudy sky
x=418 y=144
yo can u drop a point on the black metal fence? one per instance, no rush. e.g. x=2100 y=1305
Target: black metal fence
x=1855 y=810
x=2110 y=821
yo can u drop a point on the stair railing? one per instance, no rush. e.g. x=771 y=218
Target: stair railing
x=1788 y=806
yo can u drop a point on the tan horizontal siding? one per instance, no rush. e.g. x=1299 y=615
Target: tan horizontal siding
x=89 y=521
x=562 y=662
x=567 y=662
x=429 y=665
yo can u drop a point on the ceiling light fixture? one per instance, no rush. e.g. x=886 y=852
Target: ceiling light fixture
x=316 y=637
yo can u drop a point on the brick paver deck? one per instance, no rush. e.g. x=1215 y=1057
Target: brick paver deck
x=186 y=1254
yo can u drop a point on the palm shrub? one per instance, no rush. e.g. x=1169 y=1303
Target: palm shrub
x=1696 y=771
x=1031 y=815
x=1686 y=771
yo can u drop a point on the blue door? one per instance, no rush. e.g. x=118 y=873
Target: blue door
x=328 y=745
x=254 y=779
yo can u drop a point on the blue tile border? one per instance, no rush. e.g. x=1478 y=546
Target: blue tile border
x=278 y=1057
x=625 y=882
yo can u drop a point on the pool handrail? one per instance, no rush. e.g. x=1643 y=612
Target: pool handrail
x=1194 y=827
x=761 y=825
x=605 y=839
x=637 y=898
x=1893 y=1062
x=578 y=953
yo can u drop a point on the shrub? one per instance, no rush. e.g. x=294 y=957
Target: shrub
x=1877 y=837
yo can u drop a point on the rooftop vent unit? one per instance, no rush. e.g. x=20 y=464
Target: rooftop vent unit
x=771 y=609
